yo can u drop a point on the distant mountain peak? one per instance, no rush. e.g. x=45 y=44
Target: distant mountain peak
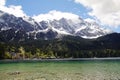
x=83 y=28
x=26 y=27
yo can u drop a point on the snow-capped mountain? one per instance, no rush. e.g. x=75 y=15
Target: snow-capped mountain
x=82 y=28
x=21 y=28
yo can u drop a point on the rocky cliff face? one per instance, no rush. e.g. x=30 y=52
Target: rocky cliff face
x=21 y=28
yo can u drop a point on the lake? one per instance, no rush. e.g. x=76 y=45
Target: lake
x=61 y=70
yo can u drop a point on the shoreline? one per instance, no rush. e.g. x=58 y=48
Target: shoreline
x=61 y=59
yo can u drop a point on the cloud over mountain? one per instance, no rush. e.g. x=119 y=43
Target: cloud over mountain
x=106 y=11
x=11 y=9
x=2 y=2
x=57 y=15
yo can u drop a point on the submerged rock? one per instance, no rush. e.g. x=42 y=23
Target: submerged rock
x=14 y=73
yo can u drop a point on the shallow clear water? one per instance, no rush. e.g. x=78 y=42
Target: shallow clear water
x=61 y=70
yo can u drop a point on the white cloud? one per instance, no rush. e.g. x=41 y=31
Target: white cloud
x=106 y=11
x=89 y=20
x=57 y=15
x=2 y=2
x=15 y=10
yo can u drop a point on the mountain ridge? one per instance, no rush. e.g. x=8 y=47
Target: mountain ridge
x=28 y=28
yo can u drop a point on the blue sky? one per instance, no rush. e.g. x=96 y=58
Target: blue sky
x=108 y=16
x=37 y=7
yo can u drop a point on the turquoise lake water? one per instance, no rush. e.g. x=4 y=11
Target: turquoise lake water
x=61 y=70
